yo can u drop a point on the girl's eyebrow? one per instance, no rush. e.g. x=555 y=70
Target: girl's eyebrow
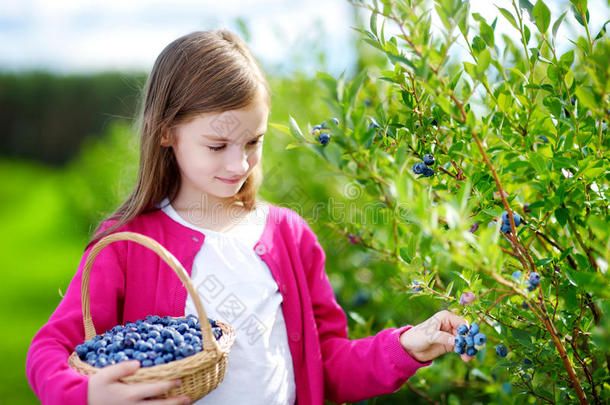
x=224 y=139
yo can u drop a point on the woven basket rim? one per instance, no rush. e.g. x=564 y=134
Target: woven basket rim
x=198 y=359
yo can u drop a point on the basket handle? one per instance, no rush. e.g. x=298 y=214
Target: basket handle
x=206 y=332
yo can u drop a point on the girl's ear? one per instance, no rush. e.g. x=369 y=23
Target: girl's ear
x=167 y=138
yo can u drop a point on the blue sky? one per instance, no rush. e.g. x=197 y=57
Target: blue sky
x=84 y=35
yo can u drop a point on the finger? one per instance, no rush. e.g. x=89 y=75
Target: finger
x=451 y=322
x=119 y=370
x=149 y=390
x=169 y=401
x=446 y=340
x=466 y=357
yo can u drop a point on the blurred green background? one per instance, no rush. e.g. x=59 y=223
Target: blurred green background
x=68 y=158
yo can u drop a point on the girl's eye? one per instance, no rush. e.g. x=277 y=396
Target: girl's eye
x=219 y=148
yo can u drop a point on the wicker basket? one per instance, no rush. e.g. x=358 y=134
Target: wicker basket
x=199 y=373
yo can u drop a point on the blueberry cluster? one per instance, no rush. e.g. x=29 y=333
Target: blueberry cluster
x=422 y=167
x=469 y=341
x=506 y=221
x=322 y=136
x=532 y=282
x=153 y=341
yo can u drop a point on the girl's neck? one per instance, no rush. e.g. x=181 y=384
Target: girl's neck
x=214 y=214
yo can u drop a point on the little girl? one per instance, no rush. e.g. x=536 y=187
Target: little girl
x=256 y=266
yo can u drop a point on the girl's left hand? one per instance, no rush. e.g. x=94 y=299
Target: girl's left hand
x=433 y=337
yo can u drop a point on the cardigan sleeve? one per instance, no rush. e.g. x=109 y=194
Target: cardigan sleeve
x=353 y=369
x=47 y=369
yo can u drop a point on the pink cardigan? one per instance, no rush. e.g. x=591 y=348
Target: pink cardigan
x=129 y=281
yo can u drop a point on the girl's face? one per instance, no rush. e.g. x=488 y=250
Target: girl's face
x=216 y=152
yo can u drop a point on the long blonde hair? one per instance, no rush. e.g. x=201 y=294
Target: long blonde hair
x=202 y=72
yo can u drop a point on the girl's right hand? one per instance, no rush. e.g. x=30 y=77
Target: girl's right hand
x=106 y=389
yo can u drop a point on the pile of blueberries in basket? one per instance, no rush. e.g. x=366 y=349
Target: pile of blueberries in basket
x=153 y=341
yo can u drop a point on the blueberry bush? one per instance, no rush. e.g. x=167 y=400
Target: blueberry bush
x=483 y=172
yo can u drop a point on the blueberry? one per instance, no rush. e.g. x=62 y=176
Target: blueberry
x=101 y=362
x=505 y=228
x=418 y=168
x=517 y=275
x=527 y=362
x=335 y=120
x=324 y=138
x=469 y=340
x=459 y=349
x=217 y=333
x=316 y=128
x=169 y=346
x=428 y=172
x=471 y=351
x=505 y=217
x=526 y=208
x=517 y=219
x=373 y=125
x=467 y=297
x=82 y=350
x=462 y=329
x=474 y=328
x=367 y=102
x=501 y=351
x=147 y=363
x=159 y=360
x=544 y=139
x=432 y=121
x=530 y=286
x=479 y=339
x=474 y=227
x=429 y=160
x=534 y=278
x=524 y=305
x=460 y=340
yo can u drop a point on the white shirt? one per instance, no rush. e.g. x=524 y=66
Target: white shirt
x=236 y=287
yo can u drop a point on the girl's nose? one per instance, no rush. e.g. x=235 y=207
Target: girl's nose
x=237 y=161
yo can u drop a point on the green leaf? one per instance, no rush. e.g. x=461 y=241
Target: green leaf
x=561 y=214
x=558 y=23
x=280 y=127
x=471 y=69
x=567 y=59
x=295 y=130
x=587 y=98
x=526 y=5
x=582 y=5
x=602 y=32
x=542 y=16
x=539 y=163
x=522 y=336
x=508 y=16
x=484 y=60
x=373 y=23
x=356 y=84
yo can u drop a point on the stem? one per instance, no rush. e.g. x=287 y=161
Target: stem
x=503 y=197
x=580 y=242
x=422 y=394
